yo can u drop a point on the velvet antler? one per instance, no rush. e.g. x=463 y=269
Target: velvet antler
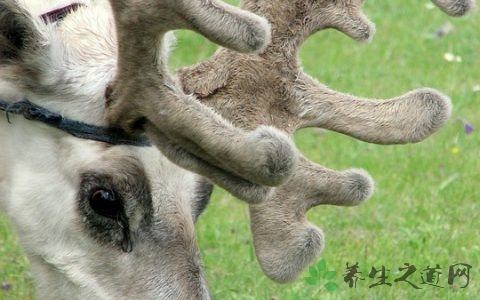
x=455 y=8
x=270 y=88
x=145 y=96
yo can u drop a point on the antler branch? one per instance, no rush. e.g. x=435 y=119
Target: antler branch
x=270 y=88
x=455 y=8
x=409 y=118
x=285 y=242
x=145 y=96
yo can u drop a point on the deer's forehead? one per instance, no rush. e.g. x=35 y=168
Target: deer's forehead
x=41 y=7
x=89 y=33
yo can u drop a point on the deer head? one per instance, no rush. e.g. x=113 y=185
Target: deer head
x=100 y=220
x=270 y=88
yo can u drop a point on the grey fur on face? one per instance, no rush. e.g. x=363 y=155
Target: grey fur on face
x=115 y=202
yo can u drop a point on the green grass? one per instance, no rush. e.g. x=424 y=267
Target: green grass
x=15 y=279
x=425 y=208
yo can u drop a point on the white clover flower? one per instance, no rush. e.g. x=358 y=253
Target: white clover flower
x=450 y=57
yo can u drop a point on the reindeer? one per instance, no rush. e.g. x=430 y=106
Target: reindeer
x=100 y=213
x=270 y=88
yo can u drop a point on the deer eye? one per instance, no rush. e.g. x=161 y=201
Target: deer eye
x=105 y=203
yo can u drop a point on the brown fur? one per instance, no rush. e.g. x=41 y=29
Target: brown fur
x=190 y=134
x=270 y=88
x=455 y=8
x=145 y=96
x=146 y=248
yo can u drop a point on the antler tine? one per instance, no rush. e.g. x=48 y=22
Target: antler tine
x=218 y=21
x=246 y=32
x=285 y=242
x=455 y=8
x=238 y=187
x=145 y=96
x=264 y=156
x=344 y=15
x=409 y=118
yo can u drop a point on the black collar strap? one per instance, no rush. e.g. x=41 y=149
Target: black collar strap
x=59 y=14
x=113 y=136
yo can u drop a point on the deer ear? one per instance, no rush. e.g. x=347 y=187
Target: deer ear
x=18 y=33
